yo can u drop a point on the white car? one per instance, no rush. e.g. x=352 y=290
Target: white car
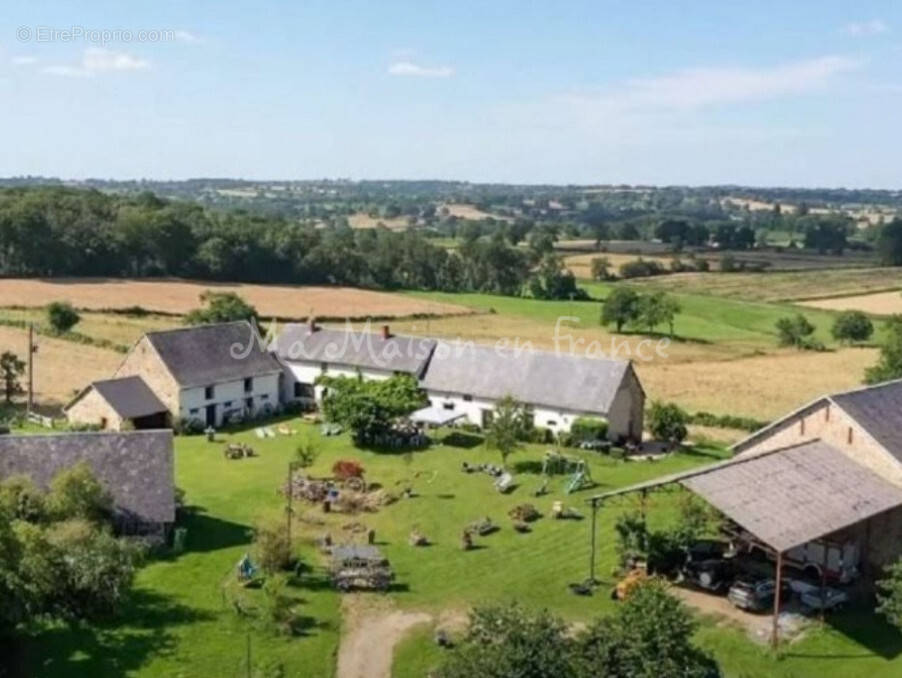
x=830 y=599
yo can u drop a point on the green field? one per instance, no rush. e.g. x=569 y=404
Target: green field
x=179 y=624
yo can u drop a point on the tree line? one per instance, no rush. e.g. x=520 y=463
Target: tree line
x=54 y=231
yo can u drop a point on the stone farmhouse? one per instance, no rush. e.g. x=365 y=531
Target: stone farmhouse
x=468 y=379
x=207 y=373
x=136 y=468
x=212 y=373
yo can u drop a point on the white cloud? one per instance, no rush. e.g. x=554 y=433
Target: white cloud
x=96 y=60
x=412 y=69
x=701 y=87
x=188 y=37
x=866 y=28
x=24 y=60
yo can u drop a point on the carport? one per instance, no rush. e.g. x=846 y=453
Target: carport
x=785 y=497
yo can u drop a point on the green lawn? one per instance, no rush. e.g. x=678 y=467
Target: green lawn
x=703 y=318
x=179 y=625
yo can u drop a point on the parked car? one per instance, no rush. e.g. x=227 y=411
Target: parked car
x=707 y=549
x=715 y=574
x=830 y=599
x=755 y=594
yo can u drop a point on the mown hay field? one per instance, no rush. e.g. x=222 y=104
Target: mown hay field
x=180 y=296
x=879 y=303
x=782 y=286
x=61 y=368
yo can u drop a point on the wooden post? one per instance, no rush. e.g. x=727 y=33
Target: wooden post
x=592 y=554
x=824 y=562
x=775 y=631
x=30 y=403
x=290 y=489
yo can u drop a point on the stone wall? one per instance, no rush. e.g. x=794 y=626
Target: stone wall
x=825 y=420
x=143 y=361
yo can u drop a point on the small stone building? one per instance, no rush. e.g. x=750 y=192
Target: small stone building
x=118 y=404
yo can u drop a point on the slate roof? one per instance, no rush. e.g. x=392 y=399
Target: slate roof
x=366 y=350
x=790 y=496
x=566 y=382
x=136 y=467
x=877 y=409
x=130 y=397
x=209 y=354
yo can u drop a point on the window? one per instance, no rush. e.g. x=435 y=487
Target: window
x=249 y=403
x=227 y=403
x=248 y=384
x=468 y=398
x=827 y=413
x=265 y=396
x=209 y=392
x=487 y=418
x=849 y=436
x=193 y=411
x=324 y=367
x=551 y=423
x=448 y=406
x=529 y=419
x=802 y=426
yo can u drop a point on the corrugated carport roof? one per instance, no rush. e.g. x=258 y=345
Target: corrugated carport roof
x=789 y=496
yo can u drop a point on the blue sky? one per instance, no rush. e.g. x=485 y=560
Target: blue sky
x=802 y=93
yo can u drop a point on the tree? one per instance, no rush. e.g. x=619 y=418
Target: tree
x=601 y=268
x=369 y=408
x=889 y=364
x=667 y=422
x=552 y=280
x=795 y=331
x=852 y=326
x=620 y=307
x=221 y=307
x=889 y=243
x=11 y=368
x=76 y=493
x=507 y=427
x=61 y=316
x=657 y=308
x=649 y=636
x=510 y=641
x=889 y=594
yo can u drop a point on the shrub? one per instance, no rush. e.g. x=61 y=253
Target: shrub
x=797 y=331
x=346 y=468
x=852 y=326
x=271 y=545
x=667 y=422
x=641 y=268
x=187 y=426
x=61 y=316
x=585 y=429
x=725 y=421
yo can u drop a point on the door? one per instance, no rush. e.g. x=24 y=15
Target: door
x=487 y=416
x=211 y=415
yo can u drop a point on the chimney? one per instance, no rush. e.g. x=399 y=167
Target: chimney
x=311 y=324
x=386 y=333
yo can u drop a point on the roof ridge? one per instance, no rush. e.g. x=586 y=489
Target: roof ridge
x=865 y=387
x=69 y=434
x=188 y=328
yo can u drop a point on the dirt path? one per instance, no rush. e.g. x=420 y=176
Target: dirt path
x=370 y=636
